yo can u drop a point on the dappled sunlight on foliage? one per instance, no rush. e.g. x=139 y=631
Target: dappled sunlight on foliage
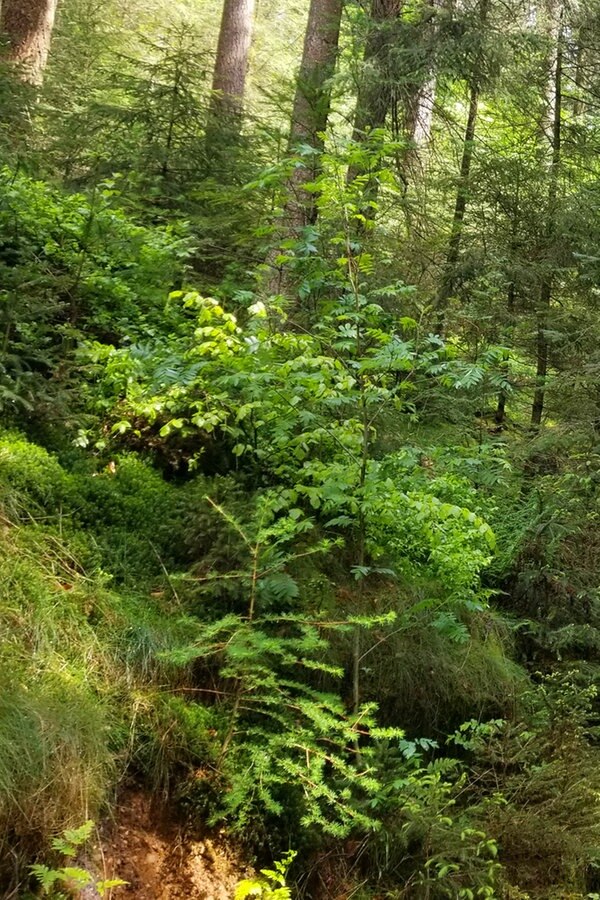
x=299 y=413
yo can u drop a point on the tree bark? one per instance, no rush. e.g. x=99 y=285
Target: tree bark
x=310 y=114
x=580 y=86
x=420 y=96
x=554 y=105
x=375 y=91
x=231 y=64
x=28 y=26
x=448 y=281
x=511 y=300
x=420 y=114
x=312 y=103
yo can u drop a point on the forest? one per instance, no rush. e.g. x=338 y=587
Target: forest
x=300 y=449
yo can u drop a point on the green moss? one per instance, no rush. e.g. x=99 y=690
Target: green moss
x=85 y=694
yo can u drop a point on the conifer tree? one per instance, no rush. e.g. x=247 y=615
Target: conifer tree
x=553 y=132
x=231 y=64
x=310 y=114
x=374 y=90
x=448 y=278
x=313 y=99
x=28 y=26
x=420 y=94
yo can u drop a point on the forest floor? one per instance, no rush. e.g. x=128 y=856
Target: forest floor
x=159 y=860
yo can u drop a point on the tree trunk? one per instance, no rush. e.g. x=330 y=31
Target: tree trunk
x=420 y=114
x=375 y=91
x=500 y=414
x=231 y=64
x=541 y=352
x=511 y=298
x=580 y=86
x=545 y=297
x=448 y=281
x=420 y=96
x=310 y=114
x=28 y=26
x=312 y=102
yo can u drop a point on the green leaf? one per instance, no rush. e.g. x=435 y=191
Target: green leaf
x=103 y=886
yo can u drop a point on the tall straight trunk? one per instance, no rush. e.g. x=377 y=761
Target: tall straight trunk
x=541 y=353
x=420 y=96
x=580 y=61
x=448 y=281
x=375 y=92
x=28 y=26
x=312 y=103
x=545 y=295
x=500 y=414
x=231 y=64
x=419 y=117
x=310 y=115
x=511 y=301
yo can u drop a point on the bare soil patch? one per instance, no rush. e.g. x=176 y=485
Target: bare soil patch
x=160 y=860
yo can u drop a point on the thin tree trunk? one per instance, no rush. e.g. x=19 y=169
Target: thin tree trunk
x=545 y=297
x=500 y=414
x=541 y=353
x=460 y=207
x=28 y=26
x=511 y=298
x=578 y=101
x=231 y=65
x=448 y=281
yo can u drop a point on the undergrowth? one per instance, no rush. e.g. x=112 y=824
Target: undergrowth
x=150 y=634
x=80 y=661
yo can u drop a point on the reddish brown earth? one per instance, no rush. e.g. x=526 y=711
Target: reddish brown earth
x=159 y=860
